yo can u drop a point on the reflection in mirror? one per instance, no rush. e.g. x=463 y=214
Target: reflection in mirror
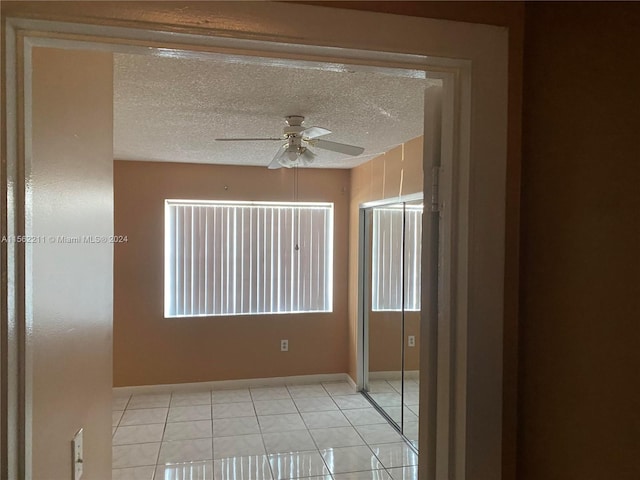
x=392 y=325
x=384 y=309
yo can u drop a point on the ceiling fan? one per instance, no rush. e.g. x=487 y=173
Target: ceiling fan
x=295 y=151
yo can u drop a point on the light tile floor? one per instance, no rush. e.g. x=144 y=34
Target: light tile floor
x=326 y=431
x=387 y=394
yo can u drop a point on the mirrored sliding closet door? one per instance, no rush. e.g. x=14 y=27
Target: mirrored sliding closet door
x=391 y=301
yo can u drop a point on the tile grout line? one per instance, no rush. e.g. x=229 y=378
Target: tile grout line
x=273 y=475
x=309 y=430
x=213 y=452
x=314 y=440
x=355 y=427
x=297 y=410
x=164 y=429
x=368 y=445
x=261 y=434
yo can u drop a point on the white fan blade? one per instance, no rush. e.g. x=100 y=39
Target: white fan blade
x=314 y=132
x=275 y=163
x=338 y=147
x=247 y=139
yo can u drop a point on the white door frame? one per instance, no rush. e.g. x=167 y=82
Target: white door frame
x=474 y=56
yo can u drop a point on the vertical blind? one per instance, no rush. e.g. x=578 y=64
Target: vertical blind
x=239 y=258
x=389 y=257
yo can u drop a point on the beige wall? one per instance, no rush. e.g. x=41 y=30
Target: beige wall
x=397 y=173
x=580 y=296
x=217 y=348
x=149 y=349
x=70 y=290
x=385 y=341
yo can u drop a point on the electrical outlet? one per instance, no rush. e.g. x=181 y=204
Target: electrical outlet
x=78 y=455
x=411 y=340
x=284 y=345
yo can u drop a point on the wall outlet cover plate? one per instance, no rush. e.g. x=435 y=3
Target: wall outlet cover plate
x=78 y=455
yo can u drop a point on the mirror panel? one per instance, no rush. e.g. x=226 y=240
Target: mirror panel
x=384 y=309
x=392 y=301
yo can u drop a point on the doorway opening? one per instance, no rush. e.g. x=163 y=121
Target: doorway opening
x=19 y=170
x=197 y=146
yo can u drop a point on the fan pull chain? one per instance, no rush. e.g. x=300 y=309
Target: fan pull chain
x=296 y=226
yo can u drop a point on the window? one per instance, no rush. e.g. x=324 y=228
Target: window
x=394 y=226
x=242 y=258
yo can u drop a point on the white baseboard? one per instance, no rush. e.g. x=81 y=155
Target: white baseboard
x=350 y=380
x=395 y=375
x=234 y=384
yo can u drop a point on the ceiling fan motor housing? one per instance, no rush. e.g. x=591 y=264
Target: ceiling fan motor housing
x=294 y=125
x=294 y=120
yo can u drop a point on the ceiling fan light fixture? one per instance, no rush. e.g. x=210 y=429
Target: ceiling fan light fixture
x=295 y=153
x=307 y=156
x=292 y=155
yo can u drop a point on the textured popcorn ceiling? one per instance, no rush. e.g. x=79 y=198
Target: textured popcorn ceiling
x=172 y=109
